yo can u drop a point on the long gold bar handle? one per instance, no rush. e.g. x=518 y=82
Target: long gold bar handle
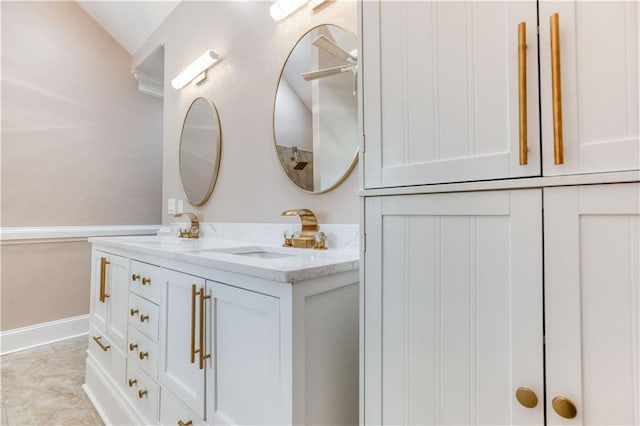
x=203 y=355
x=98 y=339
x=522 y=90
x=193 y=323
x=103 y=276
x=188 y=423
x=556 y=89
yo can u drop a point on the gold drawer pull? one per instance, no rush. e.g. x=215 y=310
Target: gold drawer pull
x=98 y=339
x=564 y=407
x=144 y=355
x=146 y=280
x=526 y=397
x=142 y=393
x=135 y=277
x=133 y=312
x=103 y=278
x=133 y=346
x=144 y=318
x=522 y=90
x=132 y=382
x=556 y=90
x=188 y=423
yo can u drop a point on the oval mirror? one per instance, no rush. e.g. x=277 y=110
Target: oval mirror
x=200 y=151
x=315 y=116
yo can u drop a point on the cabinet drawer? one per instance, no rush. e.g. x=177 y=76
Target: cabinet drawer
x=173 y=411
x=145 y=280
x=144 y=316
x=143 y=351
x=107 y=355
x=143 y=392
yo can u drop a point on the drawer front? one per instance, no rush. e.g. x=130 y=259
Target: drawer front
x=145 y=281
x=107 y=355
x=173 y=411
x=143 y=392
x=144 y=316
x=144 y=352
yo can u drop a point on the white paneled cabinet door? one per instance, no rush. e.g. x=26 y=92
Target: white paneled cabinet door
x=244 y=385
x=441 y=91
x=592 y=303
x=109 y=295
x=598 y=59
x=180 y=339
x=453 y=308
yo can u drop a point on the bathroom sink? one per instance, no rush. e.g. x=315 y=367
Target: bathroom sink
x=256 y=251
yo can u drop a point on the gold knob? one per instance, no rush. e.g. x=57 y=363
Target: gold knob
x=133 y=311
x=132 y=382
x=144 y=318
x=144 y=355
x=135 y=277
x=132 y=346
x=526 y=397
x=188 y=423
x=564 y=407
x=142 y=393
x=146 y=280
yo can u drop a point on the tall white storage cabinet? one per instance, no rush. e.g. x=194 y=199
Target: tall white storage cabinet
x=497 y=292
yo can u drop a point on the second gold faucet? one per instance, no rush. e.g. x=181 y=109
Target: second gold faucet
x=309 y=227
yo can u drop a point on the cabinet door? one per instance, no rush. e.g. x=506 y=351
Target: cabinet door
x=453 y=308
x=244 y=387
x=592 y=296
x=110 y=315
x=599 y=86
x=179 y=321
x=440 y=91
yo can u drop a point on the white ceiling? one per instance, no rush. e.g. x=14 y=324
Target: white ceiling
x=129 y=22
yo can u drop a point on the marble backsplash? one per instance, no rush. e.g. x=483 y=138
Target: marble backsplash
x=339 y=236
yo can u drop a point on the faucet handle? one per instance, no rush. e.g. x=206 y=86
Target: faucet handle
x=288 y=239
x=321 y=241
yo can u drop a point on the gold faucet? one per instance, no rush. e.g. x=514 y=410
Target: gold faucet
x=309 y=222
x=194 y=227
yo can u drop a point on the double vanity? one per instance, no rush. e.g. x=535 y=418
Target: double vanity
x=228 y=328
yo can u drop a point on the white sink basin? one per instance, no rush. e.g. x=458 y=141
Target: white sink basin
x=257 y=252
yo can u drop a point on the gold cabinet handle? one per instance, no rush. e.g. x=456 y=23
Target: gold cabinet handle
x=142 y=393
x=135 y=277
x=193 y=323
x=188 y=423
x=564 y=407
x=203 y=355
x=556 y=89
x=144 y=318
x=133 y=312
x=98 y=340
x=103 y=278
x=146 y=280
x=133 y=346
x=522 y=91
x=527 y=397
x=132 y=382
x=144 y=355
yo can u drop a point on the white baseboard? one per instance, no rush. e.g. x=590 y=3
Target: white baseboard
x=41 y=334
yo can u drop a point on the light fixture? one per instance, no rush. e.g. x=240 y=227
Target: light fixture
x=283 y=8
x=196 y=72
x=314 y=4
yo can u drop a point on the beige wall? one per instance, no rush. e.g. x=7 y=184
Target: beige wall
x=251 y=185
x=80 y=146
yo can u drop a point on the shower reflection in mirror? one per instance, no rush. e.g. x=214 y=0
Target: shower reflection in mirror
x=315 y=112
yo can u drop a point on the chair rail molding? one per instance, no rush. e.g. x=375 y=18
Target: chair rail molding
x=49 y=234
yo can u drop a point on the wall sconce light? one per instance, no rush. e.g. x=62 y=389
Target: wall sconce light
x=283 y=8
x=197 y=71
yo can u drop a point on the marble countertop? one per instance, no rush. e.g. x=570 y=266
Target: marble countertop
x=270 y=262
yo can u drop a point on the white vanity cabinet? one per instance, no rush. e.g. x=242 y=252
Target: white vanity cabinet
x=219 y=347
x=442 y=87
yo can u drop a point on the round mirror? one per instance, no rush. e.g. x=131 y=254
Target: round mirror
x=315 y=117
x=200 y=151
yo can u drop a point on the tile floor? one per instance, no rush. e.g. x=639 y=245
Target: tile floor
x=42 y=386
